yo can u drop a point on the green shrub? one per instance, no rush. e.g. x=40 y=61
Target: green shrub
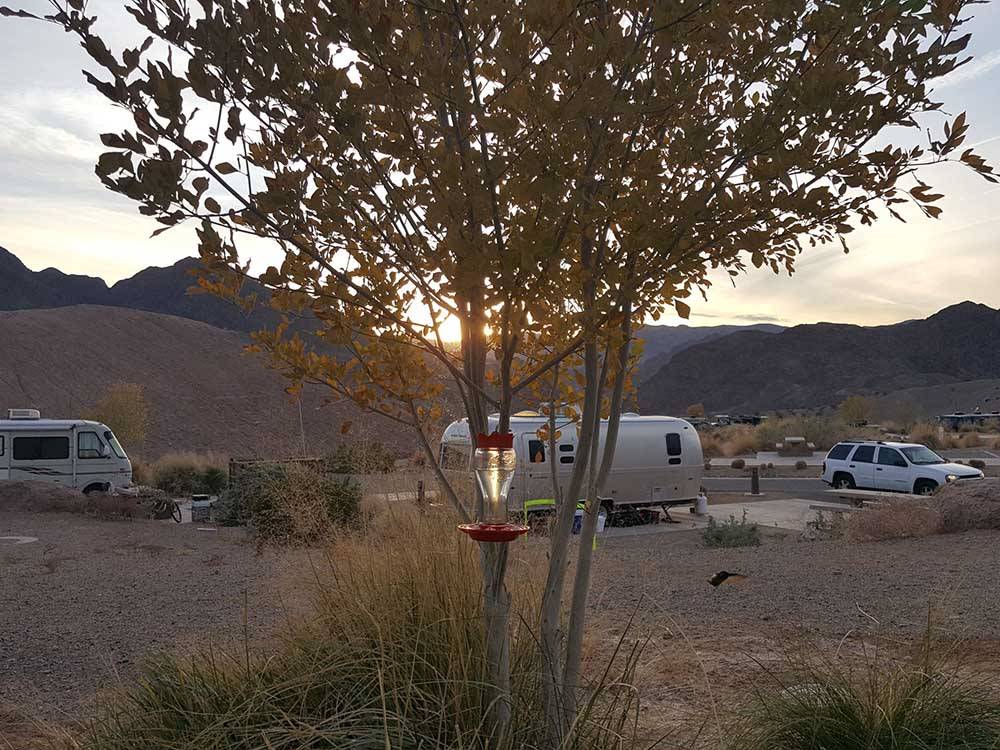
x=366 y=457
x=178 y=480
x=214 y=480
x=731 y=533
x=919 y=706
x=823 y=432
x=738 y=463
x=290 y=503
x=801 y=465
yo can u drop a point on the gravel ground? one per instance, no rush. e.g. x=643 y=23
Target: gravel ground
x=80 y=607
x=829 y=588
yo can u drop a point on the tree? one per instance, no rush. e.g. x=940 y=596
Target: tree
x=549 y=175
x=124 y=409
x=696 y=410
x=856 y=410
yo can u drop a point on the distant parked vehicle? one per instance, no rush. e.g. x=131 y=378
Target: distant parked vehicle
x=895 y=467
x=69 y=452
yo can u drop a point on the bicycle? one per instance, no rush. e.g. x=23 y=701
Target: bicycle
x=166 y=508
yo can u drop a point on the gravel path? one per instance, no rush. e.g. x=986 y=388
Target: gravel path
x=84 y=604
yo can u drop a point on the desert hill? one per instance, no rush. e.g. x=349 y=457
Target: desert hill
x=205 y=392
x=819 y=365
x=661 y=342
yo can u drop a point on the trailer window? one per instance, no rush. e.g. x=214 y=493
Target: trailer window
x=568 y=449
x=41 y=448
x=89 y=445
x=673 y=447
x=1 y=445
x=536 y=451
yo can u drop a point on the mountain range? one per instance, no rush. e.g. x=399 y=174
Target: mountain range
x=810 y=366
x=736 y=369
x=161 y=290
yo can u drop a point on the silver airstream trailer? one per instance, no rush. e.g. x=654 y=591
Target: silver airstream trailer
x=658 y=460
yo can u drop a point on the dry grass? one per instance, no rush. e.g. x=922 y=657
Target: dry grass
x=954 y=508
x=893 y=519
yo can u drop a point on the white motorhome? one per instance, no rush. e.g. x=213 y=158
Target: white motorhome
x=71 y=452
x=658 y=460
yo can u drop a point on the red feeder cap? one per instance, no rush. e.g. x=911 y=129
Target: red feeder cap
x=497 y=440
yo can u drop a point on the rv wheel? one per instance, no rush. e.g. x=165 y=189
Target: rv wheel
x=92 y=488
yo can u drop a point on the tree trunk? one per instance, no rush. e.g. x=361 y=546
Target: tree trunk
x=551 y=613
x=598 y=477
x=496 y=613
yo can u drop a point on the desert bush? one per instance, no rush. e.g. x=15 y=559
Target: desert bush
x=365 y=457
x=711 y=444
x=978 y=463
x=801 y=465
x=123 y=407
x=731 y=533
x=820 y=705
x=290 y=503
x=970 y=440
x=927 y=434
x=738 y=463
x=893 y=519
x=180 y=474
x=823 y=432
x=393 y=657
x=738 y=440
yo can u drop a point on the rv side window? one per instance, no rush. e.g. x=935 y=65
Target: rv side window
x=41 y=448
x=89 y=445
x=536 y=451
x=1 y=445
x=566 y=448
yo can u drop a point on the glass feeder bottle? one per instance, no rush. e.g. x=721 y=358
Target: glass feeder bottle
x=494 y=462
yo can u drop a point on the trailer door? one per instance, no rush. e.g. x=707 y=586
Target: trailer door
x=4 y=458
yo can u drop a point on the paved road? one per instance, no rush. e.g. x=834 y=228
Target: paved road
x=805 y=487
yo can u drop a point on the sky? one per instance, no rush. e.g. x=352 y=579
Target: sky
x=55 y=213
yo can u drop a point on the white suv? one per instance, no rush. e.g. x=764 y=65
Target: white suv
x=897 y=467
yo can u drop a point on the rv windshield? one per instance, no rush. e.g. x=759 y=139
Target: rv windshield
x=113 y=442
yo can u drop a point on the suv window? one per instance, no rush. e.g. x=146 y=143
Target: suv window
x=890 y=457
x=864 y=454
x=840 y=452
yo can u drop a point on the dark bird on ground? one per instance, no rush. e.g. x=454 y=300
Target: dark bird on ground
x=724 y=576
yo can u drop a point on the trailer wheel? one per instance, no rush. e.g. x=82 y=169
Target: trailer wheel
x=96 y=487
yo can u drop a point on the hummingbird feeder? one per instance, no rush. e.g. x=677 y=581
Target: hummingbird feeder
x=494 y=462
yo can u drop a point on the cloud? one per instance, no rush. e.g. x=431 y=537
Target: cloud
x=973 y=69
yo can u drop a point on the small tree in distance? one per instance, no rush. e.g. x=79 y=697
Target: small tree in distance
x=123 y=407
x=856 y=410
x=550 y=175
x=696 y=410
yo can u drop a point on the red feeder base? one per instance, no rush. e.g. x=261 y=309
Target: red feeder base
x=493 y=532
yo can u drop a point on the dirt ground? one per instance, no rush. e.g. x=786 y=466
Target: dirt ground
x=81 y=606
x=85 y=603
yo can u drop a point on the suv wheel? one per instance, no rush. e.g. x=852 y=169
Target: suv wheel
x=842 y=481
x=924 y=487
